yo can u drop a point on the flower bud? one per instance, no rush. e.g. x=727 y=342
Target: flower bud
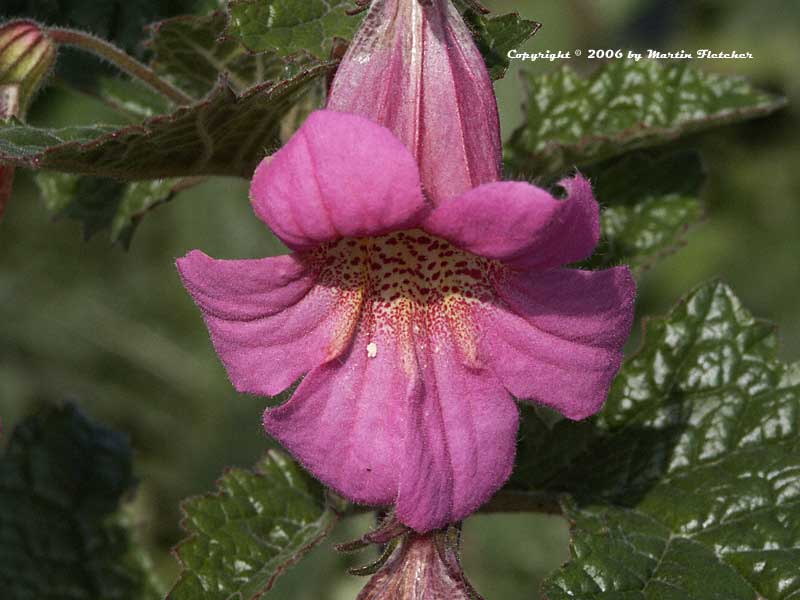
x=421 y=567
x=414 y=68
x=27 y=55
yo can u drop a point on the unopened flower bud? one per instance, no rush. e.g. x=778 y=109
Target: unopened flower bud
x=414 y=68
x=27 y=55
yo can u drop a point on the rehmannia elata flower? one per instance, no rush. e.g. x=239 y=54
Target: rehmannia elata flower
x=413 y=67
x=414 y=324
x=27 y=56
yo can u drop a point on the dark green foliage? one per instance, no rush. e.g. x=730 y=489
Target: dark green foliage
x=685 y=486
x=62 y=479
x=254 y=528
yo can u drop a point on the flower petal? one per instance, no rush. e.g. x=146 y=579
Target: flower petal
x=268 y=320
x=436 y=439
x=340 y=175
x=521 y=224
x=460 y=441
x=559 y=338
x=345 y=421
x=414 y=67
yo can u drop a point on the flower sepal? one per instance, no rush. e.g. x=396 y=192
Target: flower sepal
x=413 y=566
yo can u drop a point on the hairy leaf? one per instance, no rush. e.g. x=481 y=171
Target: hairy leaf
x=253 y=529
x=62 y=478
x=686 y=485
x=291 y=27
x=100 y=203
x=226 y=134
x=191 y=52
x=495 y=36
x=132 y=99
x=648 y=205
x=624 y=105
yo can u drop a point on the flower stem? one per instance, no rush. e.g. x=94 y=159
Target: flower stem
x=109 y=52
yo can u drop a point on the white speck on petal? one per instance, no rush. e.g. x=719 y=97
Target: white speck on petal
x=372 y=350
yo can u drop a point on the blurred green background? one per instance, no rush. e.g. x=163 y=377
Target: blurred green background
x=116 y=332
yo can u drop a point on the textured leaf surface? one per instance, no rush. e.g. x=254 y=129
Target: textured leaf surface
x=624 y=105
x=648 y=205
x=192 y=52
x=688 y=483
x=246 y=535
x=226 y=134
x=132 y=99
x=290 y=27
x=61 y=480
x=100 y=203
x=495 y=36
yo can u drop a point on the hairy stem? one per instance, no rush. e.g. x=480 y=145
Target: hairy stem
x=109 y=52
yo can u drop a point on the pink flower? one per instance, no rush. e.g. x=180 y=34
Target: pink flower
x=414 y=68
x=414 y=325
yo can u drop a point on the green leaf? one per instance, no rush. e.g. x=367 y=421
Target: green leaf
x=495 y=36
x=572 y=121
x=191 y=52
x=253 y=529
x=62 y=478
x=686 y=485
x=132 y=99
x=648 y=205
x=291 y=27
x=226 y=134
x=100 y=203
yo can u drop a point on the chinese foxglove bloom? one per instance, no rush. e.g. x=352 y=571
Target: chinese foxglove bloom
x=415 y=325
x=414 y=68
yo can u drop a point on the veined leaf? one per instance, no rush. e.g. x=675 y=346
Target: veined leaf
x=254 y=528
x=191 y=52
x=648 y=205
x=226 y=134
x=292 y=27
x=571 y=121
x=101 y=203
x=495 y=36
x=686 y=485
